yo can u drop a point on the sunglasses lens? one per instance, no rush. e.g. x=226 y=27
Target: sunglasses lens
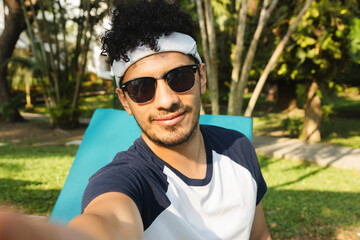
x=141 y=90
x=181 y=79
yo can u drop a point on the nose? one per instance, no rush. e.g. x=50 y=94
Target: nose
x=165 y=98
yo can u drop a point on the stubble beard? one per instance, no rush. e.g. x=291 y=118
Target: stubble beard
x=174 y=136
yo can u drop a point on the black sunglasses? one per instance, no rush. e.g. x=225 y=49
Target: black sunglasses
x=142 y=89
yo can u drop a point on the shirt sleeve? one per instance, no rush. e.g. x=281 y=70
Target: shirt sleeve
x=257 y=174
x=239 y=148
x=250 y=160
x=114 y=178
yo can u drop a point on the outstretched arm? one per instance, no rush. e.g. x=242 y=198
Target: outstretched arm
x=109 y=216
x=259 y=230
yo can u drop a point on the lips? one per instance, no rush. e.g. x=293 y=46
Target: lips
x=170 y=120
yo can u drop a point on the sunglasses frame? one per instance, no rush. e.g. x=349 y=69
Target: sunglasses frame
x=195 y=67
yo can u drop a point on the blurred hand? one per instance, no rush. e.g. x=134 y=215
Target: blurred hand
x=16 y=227
x=20 y=227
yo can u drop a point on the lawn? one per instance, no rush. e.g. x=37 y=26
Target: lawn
x=335 y=130
x=307 y=201
x=340 y=123
x=31 y=177
x=304 y=201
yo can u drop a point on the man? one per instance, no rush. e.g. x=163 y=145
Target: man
x=179 y=180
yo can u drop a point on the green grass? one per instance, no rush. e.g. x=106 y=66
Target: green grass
x=342 y=131
x=31 y=177
x=87 y=105
x=304 y=201
x=347 y=106
x=340 y=125
x=307 y=201
x=268 y=122
x=335 y=130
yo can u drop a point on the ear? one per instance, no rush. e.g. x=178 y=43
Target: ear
x=202 y=69
x=123 y=100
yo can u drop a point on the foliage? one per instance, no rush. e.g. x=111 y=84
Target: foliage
x=300 y=95
x=60 y=41
x=7 y=110
x=355 y=40
x=88 y=105
x=61 y=112
x=293 y=126
x=340 y=127
x=321 y=45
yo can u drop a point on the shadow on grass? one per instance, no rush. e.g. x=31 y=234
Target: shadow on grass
x=21 y=195
x=340 y=127
x=11 y=167
x=16 y=152
x=297 y=214
x=309 y=214
x=301 y=178
x=266 y=162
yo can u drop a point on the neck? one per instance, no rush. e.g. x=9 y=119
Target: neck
x=188 y=158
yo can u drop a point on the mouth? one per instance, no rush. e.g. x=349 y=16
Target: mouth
x=170 y=119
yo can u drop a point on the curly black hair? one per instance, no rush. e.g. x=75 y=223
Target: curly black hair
x=142 y=22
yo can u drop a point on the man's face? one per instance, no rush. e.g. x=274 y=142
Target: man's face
x=170 y=118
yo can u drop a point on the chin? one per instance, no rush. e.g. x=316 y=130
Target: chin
x=172 y=136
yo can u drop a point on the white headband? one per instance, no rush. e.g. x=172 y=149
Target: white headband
x=175 y=42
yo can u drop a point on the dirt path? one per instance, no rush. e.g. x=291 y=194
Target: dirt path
x=37 y=133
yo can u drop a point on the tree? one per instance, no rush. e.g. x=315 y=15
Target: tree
x=204 y=39
x=63 y=64
x=237 y=55
x=273 y=60
x=14 y=26
x=320 y=53
x=236 y=96
x=208 y=35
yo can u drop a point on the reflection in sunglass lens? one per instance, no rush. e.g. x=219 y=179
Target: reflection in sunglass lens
x=141 y=90
x=181 y=79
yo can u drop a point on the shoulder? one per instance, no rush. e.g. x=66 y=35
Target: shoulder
x=125 y=164
x=231 y=144
x=222 y=139
x=238 y=148
x=132 y=172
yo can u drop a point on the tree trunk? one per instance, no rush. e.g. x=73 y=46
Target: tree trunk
x=239 y=95
x=213 y=78
x=313 y=113
x=204 y=41
x=237 y=55
x=286 y=95
x=14 y=25
x=28 y=79
x=273 y=60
